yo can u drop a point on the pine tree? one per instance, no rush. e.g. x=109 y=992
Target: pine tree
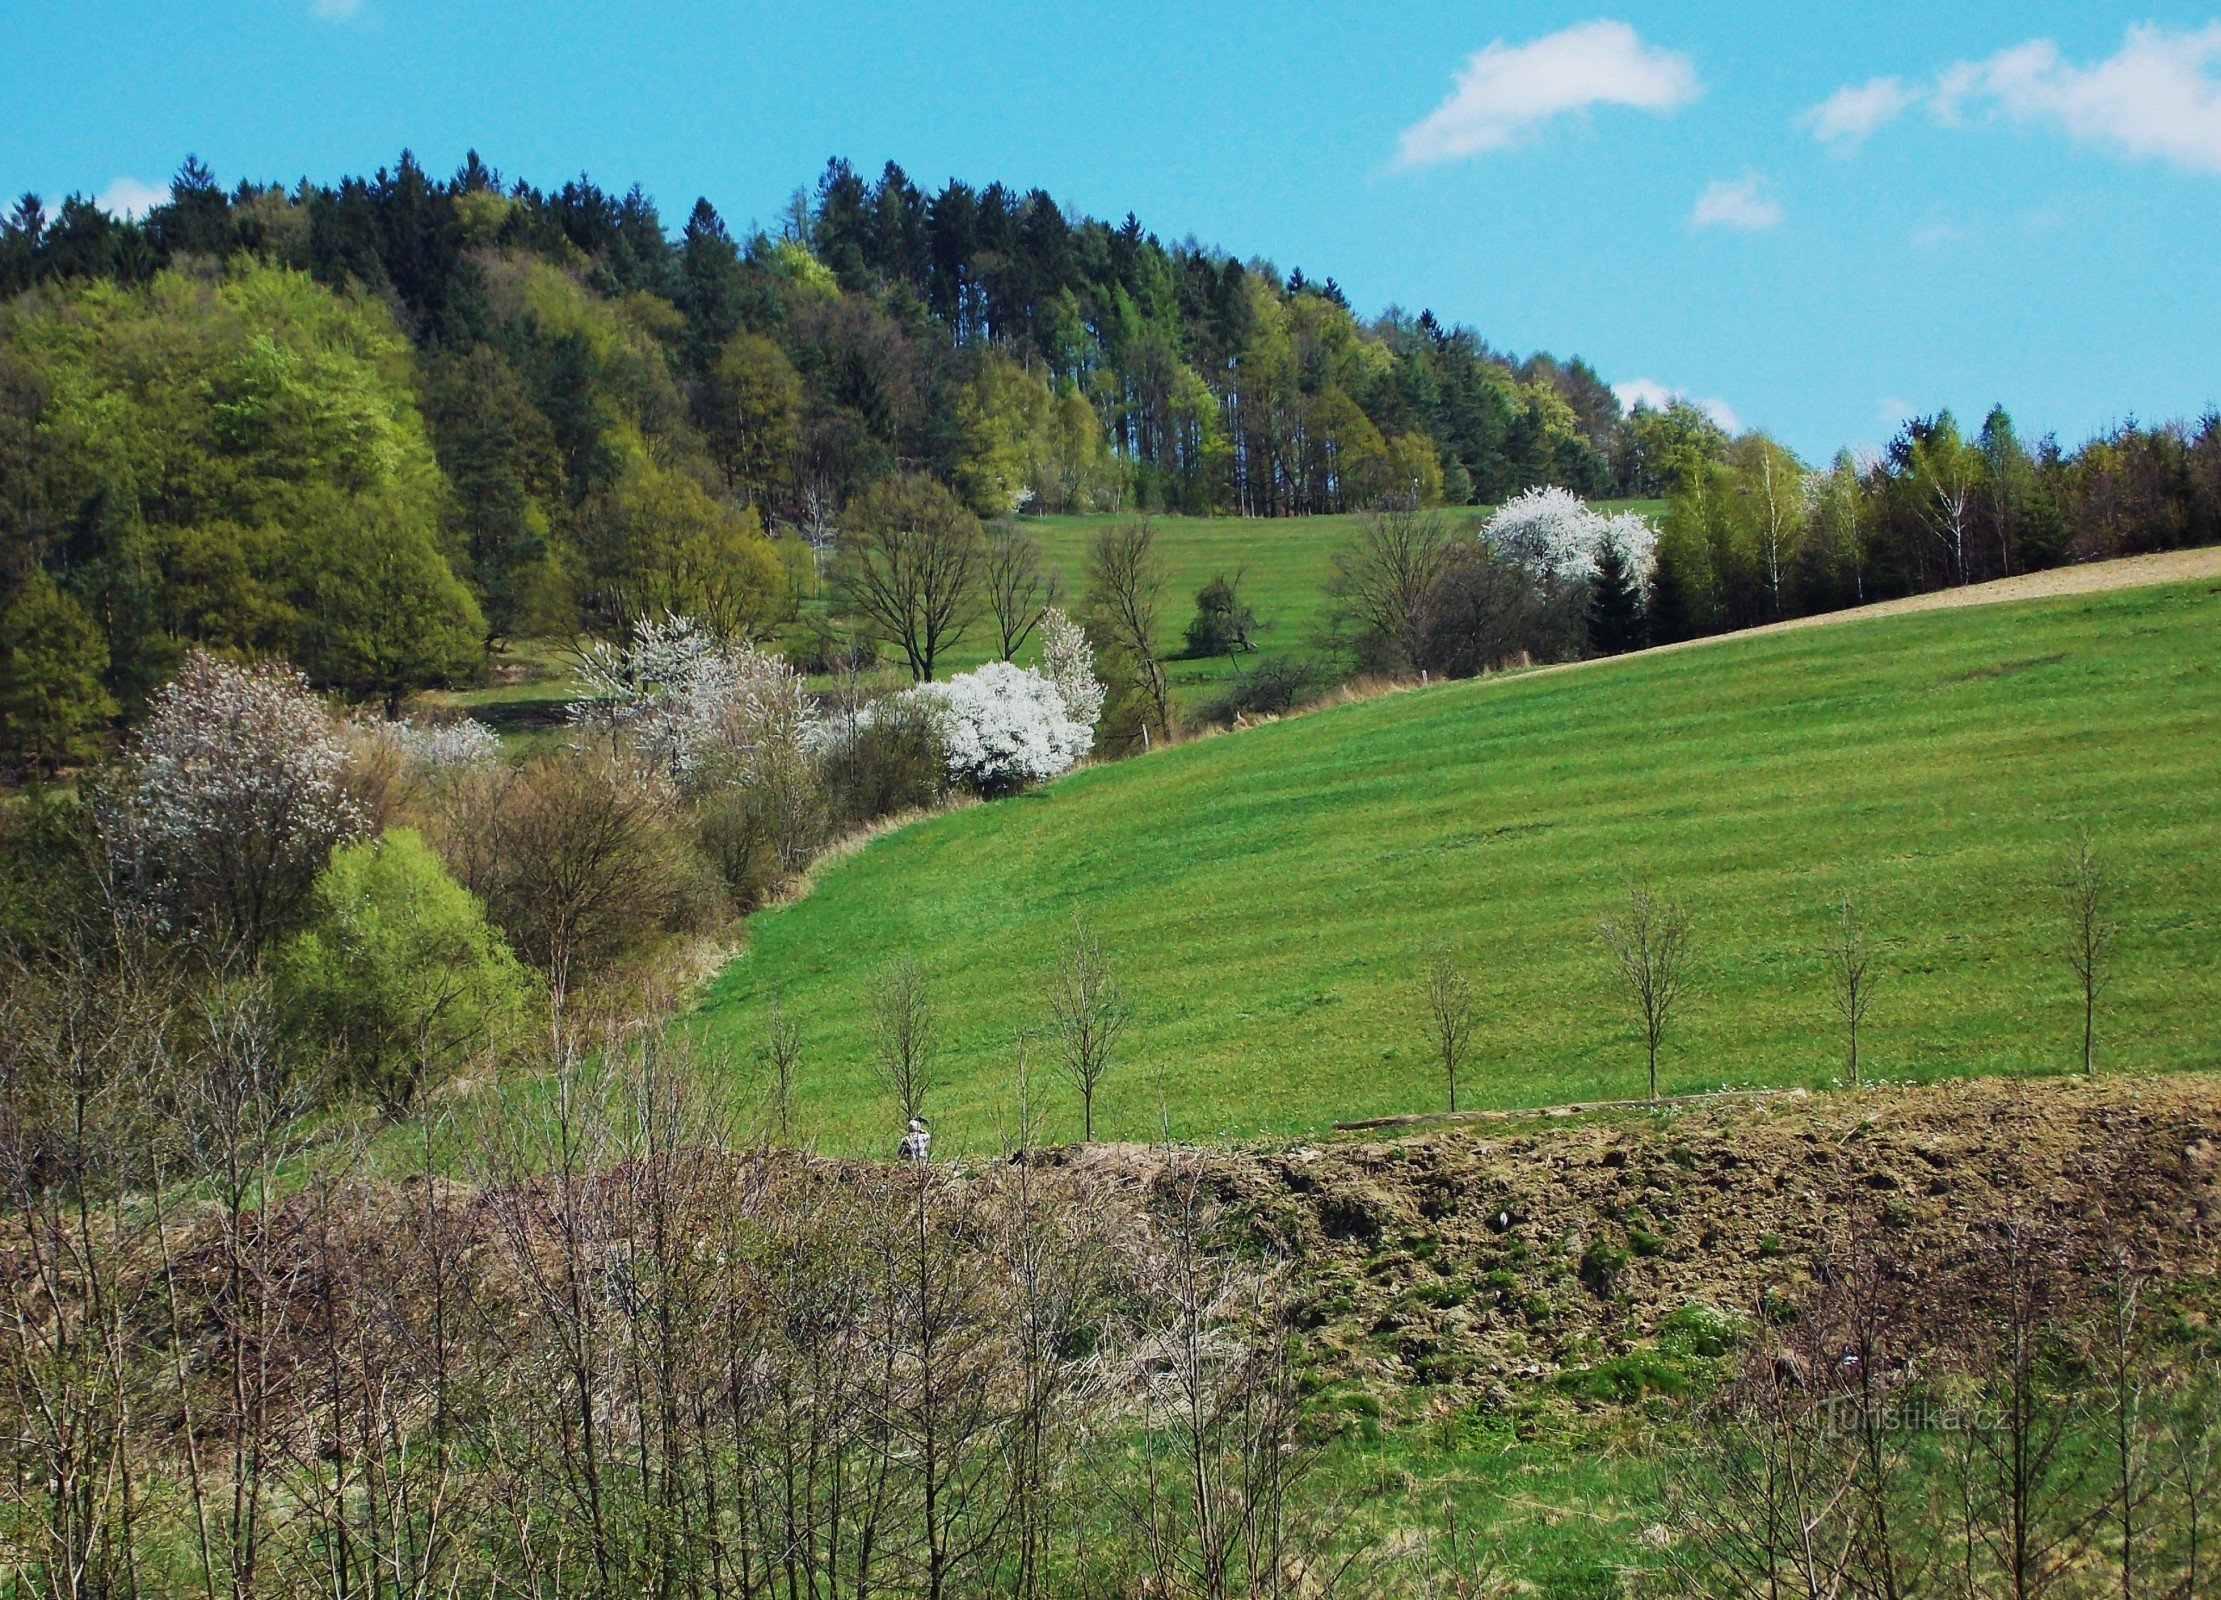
x=1616 y=620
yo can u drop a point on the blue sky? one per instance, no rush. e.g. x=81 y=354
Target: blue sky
x=2012 y=202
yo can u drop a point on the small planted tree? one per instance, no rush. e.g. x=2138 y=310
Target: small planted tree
x=1083 y=998
x=2089 y=936
x=1449 y=1017
x=1852 y=978
x=1650 y=949
x=902 y=1017
x=781 y=1053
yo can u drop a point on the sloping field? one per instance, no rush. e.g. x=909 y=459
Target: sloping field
x=1270 y=895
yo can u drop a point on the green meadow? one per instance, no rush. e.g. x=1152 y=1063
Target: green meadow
x=1283 y=563
x=1271 y=896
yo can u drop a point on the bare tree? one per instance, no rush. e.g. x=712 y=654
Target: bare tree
x=909 y=568
x=1449 y=1018
x=902 y=1028
x=2122 y=1369
x=1850 y=969
x=574 y=856
x=1384 y=581
x=1018 y=589
x=2089 y=934
x=1650 y=946
x=1125 y=589
x=781 y=1053
x=1084 y=1000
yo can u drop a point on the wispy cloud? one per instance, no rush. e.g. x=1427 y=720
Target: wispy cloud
x=1936 y=234
x=1505 y=90
x=1650 y=392
x=1855 y=113
x=1739 y=203
x=2158 y=97
x=128 y=197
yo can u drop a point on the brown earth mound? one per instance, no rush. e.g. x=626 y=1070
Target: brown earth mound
x=1479 y=1257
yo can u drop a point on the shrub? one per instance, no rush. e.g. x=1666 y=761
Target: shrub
x=760 y=832
x=1489 y=610
x=1224 y=623
x=1272 y=688
x=895 y=762
x=580 y=859
x=399 y=972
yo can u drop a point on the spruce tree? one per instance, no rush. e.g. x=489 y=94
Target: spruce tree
x=1616 y=620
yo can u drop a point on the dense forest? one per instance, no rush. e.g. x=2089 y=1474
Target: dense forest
x=379 y=427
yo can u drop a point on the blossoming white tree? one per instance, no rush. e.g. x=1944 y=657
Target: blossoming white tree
x=229 y=801
x=1557 y=531
x=688 y=703
x=1005 y=726
x=1068 y=661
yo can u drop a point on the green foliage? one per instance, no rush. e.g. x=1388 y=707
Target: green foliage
x=1625 y=1379
x=1224 y=622
x=505 y=483
x=234 y=448
x=1937 y=761
x=386 y=612
x=398 y=972
x=53 y=705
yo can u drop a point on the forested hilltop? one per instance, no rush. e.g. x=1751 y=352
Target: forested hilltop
x=379 y=427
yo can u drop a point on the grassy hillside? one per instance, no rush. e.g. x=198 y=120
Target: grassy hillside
x=1270 y=894
x=1284 y=563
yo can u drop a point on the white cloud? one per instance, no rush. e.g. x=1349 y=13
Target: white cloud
x=1740 y=203
x=2159 y=95
x=1505 y=90
x=128 y=197
x=1650 y=392
x=1852 y=115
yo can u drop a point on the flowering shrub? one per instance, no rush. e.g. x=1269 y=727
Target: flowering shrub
x=1005 y=726
x=230 y=800
x=440 y=746
x=691 y=705
x=1556 y=531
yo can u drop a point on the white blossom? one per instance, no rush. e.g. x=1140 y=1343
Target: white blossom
x=1068 y=661
x=230 y=797
x=689 y=703
x=440 y=746
x=1555 y=530
x=1005 y=725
